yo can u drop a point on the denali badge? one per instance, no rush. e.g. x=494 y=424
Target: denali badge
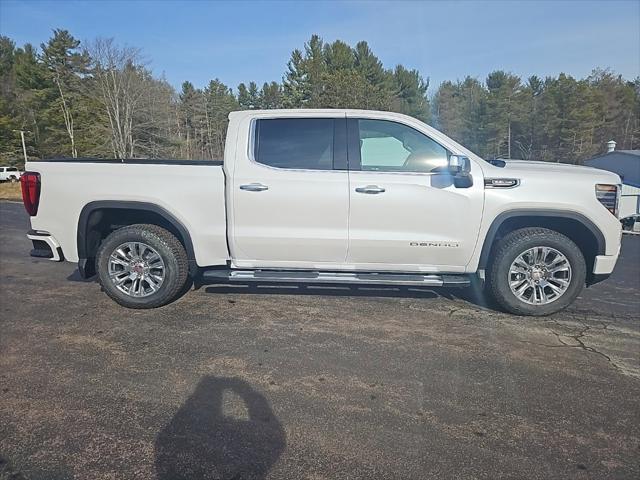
x=435 y=244
x=501 y=182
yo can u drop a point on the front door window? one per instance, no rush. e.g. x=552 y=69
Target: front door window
x=387 y=146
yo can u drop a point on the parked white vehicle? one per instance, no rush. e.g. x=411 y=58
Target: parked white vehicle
x=329 y=196
x=9 y=174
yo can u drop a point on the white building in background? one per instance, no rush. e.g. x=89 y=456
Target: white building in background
x=625 y=163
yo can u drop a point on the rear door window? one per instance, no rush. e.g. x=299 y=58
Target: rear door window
x=295 y=143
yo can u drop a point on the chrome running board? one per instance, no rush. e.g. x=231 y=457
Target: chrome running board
x=368 y=278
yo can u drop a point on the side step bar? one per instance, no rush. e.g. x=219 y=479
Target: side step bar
x=293 y=276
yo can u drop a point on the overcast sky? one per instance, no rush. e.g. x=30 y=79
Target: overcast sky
x=242 y=41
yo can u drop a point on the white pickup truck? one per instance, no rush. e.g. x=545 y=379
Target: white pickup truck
x=329 y=196
x=9 y=174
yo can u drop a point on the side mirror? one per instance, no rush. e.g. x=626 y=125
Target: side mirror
x=460 y=168
x=459 y=165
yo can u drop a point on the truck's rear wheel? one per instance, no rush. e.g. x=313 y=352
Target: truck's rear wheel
x=142 y=266
x=535 y=271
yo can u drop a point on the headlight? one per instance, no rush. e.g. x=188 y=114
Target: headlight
x=608 y=195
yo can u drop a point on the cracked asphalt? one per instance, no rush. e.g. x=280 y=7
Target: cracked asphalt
x=286 y=382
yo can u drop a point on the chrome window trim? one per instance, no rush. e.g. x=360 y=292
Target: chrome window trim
x=422 y=174
x=252 y=140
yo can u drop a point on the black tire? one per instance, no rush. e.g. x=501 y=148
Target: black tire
x=165 y=244
x=13 y=179
x=517 y=242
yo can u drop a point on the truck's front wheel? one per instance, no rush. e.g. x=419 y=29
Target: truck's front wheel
x=142 y=266
x=535 y=271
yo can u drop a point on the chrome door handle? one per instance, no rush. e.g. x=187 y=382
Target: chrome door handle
x=254 y=187
x=371 y=189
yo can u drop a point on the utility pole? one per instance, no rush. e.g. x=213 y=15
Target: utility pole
x=24 y=146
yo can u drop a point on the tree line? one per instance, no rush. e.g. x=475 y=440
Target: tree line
x=101 y=100
x=555 y=119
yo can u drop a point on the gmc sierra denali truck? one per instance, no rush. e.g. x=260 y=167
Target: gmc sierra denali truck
x=329 y=196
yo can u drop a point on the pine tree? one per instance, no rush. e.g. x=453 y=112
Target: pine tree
x=66 y=65
x=295 y=83
x=411 y=93
x=378 y=90
x=315 y=68
x=188 y=100
x=249 y=98
x=220 y=101
x=528 y=138
x=460 y=110
x=9 y=146
x=503 y=109
x=271 y=96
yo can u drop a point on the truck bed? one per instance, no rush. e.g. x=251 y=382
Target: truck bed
x=192 y=191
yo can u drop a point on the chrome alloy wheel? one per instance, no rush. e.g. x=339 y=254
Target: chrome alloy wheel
x=136 y=269
x=539 y=275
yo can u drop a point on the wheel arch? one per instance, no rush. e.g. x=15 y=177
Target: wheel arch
x=574 y=225
x=99 y=218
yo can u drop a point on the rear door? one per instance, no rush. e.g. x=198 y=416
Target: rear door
x=291 y=194
x=405 y=212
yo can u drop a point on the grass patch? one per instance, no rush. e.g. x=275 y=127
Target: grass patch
x=10 y=191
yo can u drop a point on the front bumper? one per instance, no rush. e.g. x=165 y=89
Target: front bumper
x=45 y=246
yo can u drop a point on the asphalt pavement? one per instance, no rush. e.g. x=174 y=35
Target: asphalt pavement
x=288 y=382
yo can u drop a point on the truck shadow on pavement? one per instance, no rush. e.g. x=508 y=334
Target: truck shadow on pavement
x=225 y=429
x=472 y=294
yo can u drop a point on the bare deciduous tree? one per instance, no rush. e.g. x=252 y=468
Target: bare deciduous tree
x=121 y=81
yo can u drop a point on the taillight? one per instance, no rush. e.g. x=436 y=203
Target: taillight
x=30 y=182
x=607 y=195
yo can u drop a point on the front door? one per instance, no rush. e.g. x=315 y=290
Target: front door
x=405 y=212
x=291 y=195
